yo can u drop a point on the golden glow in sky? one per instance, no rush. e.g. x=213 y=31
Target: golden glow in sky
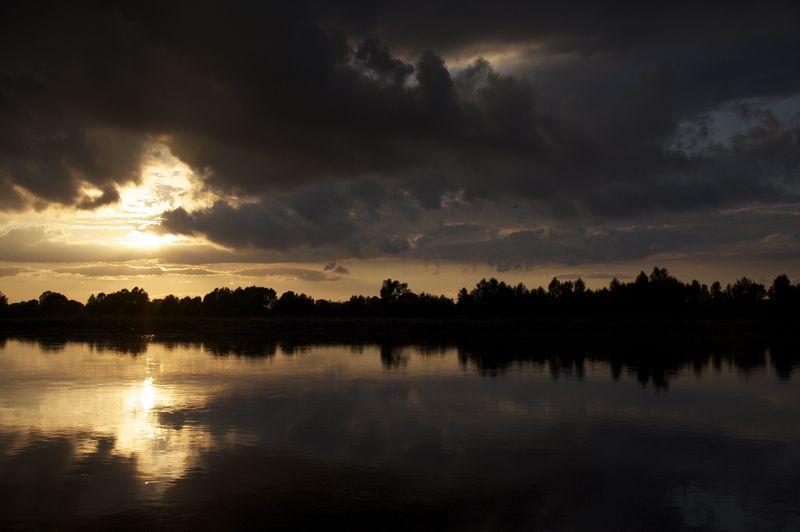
x=120 y=245
x=165 y=183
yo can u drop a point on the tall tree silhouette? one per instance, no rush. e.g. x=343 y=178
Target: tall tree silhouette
x=55 y=304
x=393 y=290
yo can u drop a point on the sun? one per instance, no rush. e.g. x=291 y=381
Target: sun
x=148 y=240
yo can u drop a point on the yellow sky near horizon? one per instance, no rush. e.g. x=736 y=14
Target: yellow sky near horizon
x=363 y=277
x=121 y=245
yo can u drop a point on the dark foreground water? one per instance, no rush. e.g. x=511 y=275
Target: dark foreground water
x=199 y=436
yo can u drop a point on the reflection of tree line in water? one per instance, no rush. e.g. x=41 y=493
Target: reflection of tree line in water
x=653 y=367
x=656 y=295
x=653 y=361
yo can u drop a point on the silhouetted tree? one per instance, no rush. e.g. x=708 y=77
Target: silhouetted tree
x=464 y=300
x=250 y=301
x=555 y=289
x=663 y=294
x=24 y=309
x=190 y=306
x=697 y=296
x=717 y=295
x=783 y=297
x=126 y=302
x=171 y=305
x=291 y=304
x=168 y=306
x=615 y=286
x=746 y=296
x=254 y=300
x=491 y=298
x=579 y=287
x=55 y=304
x=218 y=301
x=393 y=290
x=323 y=307
x=430 y=306
x=656 y=295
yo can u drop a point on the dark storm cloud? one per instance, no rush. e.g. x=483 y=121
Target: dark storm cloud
x=353 y=137
x=761 y=233
x=354 y=218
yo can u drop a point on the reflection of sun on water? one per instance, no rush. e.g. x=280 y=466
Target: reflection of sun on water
x=149 y=409
x=148 y=395
x=122 y=401
x=162 y=452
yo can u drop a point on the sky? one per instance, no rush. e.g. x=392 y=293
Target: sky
x=324 y=146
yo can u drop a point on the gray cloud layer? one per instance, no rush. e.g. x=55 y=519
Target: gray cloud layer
x=346 y=126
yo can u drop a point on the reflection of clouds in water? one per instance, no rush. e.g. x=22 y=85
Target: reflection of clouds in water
x=89 y=398
x=283 y=423
x=162 y=453
x=127 y=414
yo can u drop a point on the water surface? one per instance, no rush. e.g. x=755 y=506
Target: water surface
x=208 y=436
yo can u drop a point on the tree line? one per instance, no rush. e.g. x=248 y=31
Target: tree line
x=658 y=294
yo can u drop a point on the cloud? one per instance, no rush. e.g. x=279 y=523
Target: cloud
x=124 y=270
x=10 y=272
x=604 y=276
x=39 y=244
x=342 y=219
x=299 y=274
x=363 y=132
x=336 y=268
x=32 y=244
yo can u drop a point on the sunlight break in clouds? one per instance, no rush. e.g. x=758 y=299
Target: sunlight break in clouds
x=165 y=183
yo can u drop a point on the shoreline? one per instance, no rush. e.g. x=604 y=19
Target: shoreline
x=412 y=330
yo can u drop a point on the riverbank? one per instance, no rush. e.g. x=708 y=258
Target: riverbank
x=538 y=330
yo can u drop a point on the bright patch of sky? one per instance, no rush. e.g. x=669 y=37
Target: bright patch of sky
x=166 y=183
